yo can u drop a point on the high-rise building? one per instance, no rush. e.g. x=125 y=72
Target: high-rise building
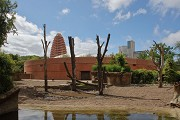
x=128 y=50
x=131 y=45
x=58 y=46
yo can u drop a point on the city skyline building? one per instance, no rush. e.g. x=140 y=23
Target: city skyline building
x=128 y=50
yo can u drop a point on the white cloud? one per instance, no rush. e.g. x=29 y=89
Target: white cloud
x=28 y=40
x=140 y=11
x=121 y=17
x=112 y=5
x=26 y=27
x=163 y=6
x=156 y=30
x=128 y=38
x=65 y=11
x=166 y=31
x=83 y=48
x=172 y=38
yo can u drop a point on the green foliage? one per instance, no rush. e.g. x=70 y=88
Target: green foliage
x=118 y=59
x=6 y=64
x=154 y=52
x=170 y=75
x=143 y=76
x=144 y=55
x=113 y=68
x=177 y=55
x=19 y=61
x=117 y=64
x=7 y=18
x=94 y=68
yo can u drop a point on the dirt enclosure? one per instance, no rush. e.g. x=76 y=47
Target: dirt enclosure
x=132 y=98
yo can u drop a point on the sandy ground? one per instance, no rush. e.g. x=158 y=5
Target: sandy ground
x=133 y=98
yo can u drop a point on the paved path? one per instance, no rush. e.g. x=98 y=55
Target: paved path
x=35 y=82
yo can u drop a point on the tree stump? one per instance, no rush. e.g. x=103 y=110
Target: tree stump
x=175 y=102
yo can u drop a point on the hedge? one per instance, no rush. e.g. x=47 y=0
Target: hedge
x=143 y=76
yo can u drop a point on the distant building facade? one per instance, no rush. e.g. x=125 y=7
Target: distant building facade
x=129 y=50
x=58 y=46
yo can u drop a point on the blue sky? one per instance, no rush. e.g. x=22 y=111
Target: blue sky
x=140 y=20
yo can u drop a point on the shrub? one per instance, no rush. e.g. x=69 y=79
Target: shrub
x=94 y=68
x=142 y=76
x=5 y=72
x=117 y=64
x=170 y=75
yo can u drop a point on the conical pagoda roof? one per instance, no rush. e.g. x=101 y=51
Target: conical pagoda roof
x=58 y=46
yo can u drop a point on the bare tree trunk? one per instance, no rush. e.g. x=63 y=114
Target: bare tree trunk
x=100 y=58
x=161 y=49
x=71 y=43
x=45 y=47
x=73 y=63
x=160 y=78
x=160 y=63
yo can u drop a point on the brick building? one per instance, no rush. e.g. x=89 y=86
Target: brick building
x=56 y=69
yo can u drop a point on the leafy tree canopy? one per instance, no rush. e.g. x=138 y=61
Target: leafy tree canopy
x=7 y=18
x=168 y=52
x=144 y=55
x=19 y=61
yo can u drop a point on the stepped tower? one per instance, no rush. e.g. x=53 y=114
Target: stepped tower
x=58 y=46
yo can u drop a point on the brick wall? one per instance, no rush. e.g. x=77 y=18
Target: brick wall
x=56 y=69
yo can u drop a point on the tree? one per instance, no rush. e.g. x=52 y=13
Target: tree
x=177 y=55
x=45 y=48
x=143 y=55
x=158 y=53
x=73 y=64
x=18 y=67
x=6 y=64
x=100 y=58
x=170 y=74
x=177 y=45
x=7 y=18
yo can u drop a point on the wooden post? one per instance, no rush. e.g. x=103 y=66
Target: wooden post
x=45 y=48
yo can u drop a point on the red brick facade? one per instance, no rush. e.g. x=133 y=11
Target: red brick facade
x=58 y=47
x=56 y=69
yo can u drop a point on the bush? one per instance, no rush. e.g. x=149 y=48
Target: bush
x=170 y=75
x=117 y=64
x=5 y=73
x=94 y=68
x=142 y=76
x=113 y=68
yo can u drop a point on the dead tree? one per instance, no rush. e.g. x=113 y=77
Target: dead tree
x=100 y=58
x=45 y=48
x=160 y=62
x=73 y=76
